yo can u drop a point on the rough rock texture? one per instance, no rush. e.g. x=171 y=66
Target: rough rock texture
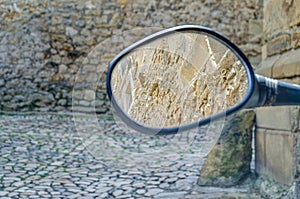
x=229 y=161
x=178 y=79
x=269 y=188
x=45 y=45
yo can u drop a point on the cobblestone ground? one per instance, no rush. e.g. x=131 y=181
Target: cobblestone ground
x=61 y=157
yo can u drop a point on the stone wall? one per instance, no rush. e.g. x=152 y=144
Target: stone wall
x=50 y=48
x=277 y=136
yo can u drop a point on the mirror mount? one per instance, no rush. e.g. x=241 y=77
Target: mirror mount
x=272 y=92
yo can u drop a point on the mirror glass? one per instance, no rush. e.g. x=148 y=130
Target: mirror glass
x=178 y=79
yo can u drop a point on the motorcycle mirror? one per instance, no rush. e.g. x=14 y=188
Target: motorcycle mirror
x=181 y=78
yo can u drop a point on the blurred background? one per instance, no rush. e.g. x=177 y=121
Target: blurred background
x=54 y=57
x=44 y=43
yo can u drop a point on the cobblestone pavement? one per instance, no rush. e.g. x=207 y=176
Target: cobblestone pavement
x=53 y=157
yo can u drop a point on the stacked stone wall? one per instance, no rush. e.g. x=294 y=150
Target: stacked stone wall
x=277 y=136
x=45 y=46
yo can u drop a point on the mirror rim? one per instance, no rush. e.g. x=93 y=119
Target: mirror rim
x=172 y=130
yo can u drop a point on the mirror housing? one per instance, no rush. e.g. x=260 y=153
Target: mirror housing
x=250 y=98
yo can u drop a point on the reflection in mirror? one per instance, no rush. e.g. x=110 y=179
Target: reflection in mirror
x=178 y=79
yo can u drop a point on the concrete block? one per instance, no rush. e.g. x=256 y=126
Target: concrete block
x=275 y=152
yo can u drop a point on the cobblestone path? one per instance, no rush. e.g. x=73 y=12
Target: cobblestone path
x=46 y=156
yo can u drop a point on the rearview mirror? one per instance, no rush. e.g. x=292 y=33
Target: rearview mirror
x=184 y=77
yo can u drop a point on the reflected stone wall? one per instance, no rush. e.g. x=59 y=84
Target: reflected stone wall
x=48 y=48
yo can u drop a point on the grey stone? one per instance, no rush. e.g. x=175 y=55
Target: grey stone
x=42 y=99
x=39 y=56
x=173 y=195
x=13 y=194
x=139 y=185
x=104 y=195
x=171 y=180
x=2 y=82
x=152 y=192
x=184 y=184
x=18 y=184
x=164 y=185
x=103 y=189
x=73 y=171
x=117 y=192
x=80 y=23
x=3 y=193
x=141 y=191
x=34 y=196
x=71 y=31
x=62 y=102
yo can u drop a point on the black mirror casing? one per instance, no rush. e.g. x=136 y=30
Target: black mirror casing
x=250 y=99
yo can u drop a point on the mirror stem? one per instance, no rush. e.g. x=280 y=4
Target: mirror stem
x=277 y=93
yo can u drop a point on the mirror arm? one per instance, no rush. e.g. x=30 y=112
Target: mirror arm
x=277 y=93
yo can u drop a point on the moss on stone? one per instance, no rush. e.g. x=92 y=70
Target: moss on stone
x=229 y=161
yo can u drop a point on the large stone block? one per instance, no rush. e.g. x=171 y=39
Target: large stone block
x=288 y=65
x=275 y=152
x=89 y=95
x=296 y=39
x=255 y=27
x=260 y=151
x=280 y=156
x=229 y=161
x=279 y=15
x=279 y=44
x=278 y=118
x=266 y=67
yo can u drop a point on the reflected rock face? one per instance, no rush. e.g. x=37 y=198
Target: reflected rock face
x=178 y=79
